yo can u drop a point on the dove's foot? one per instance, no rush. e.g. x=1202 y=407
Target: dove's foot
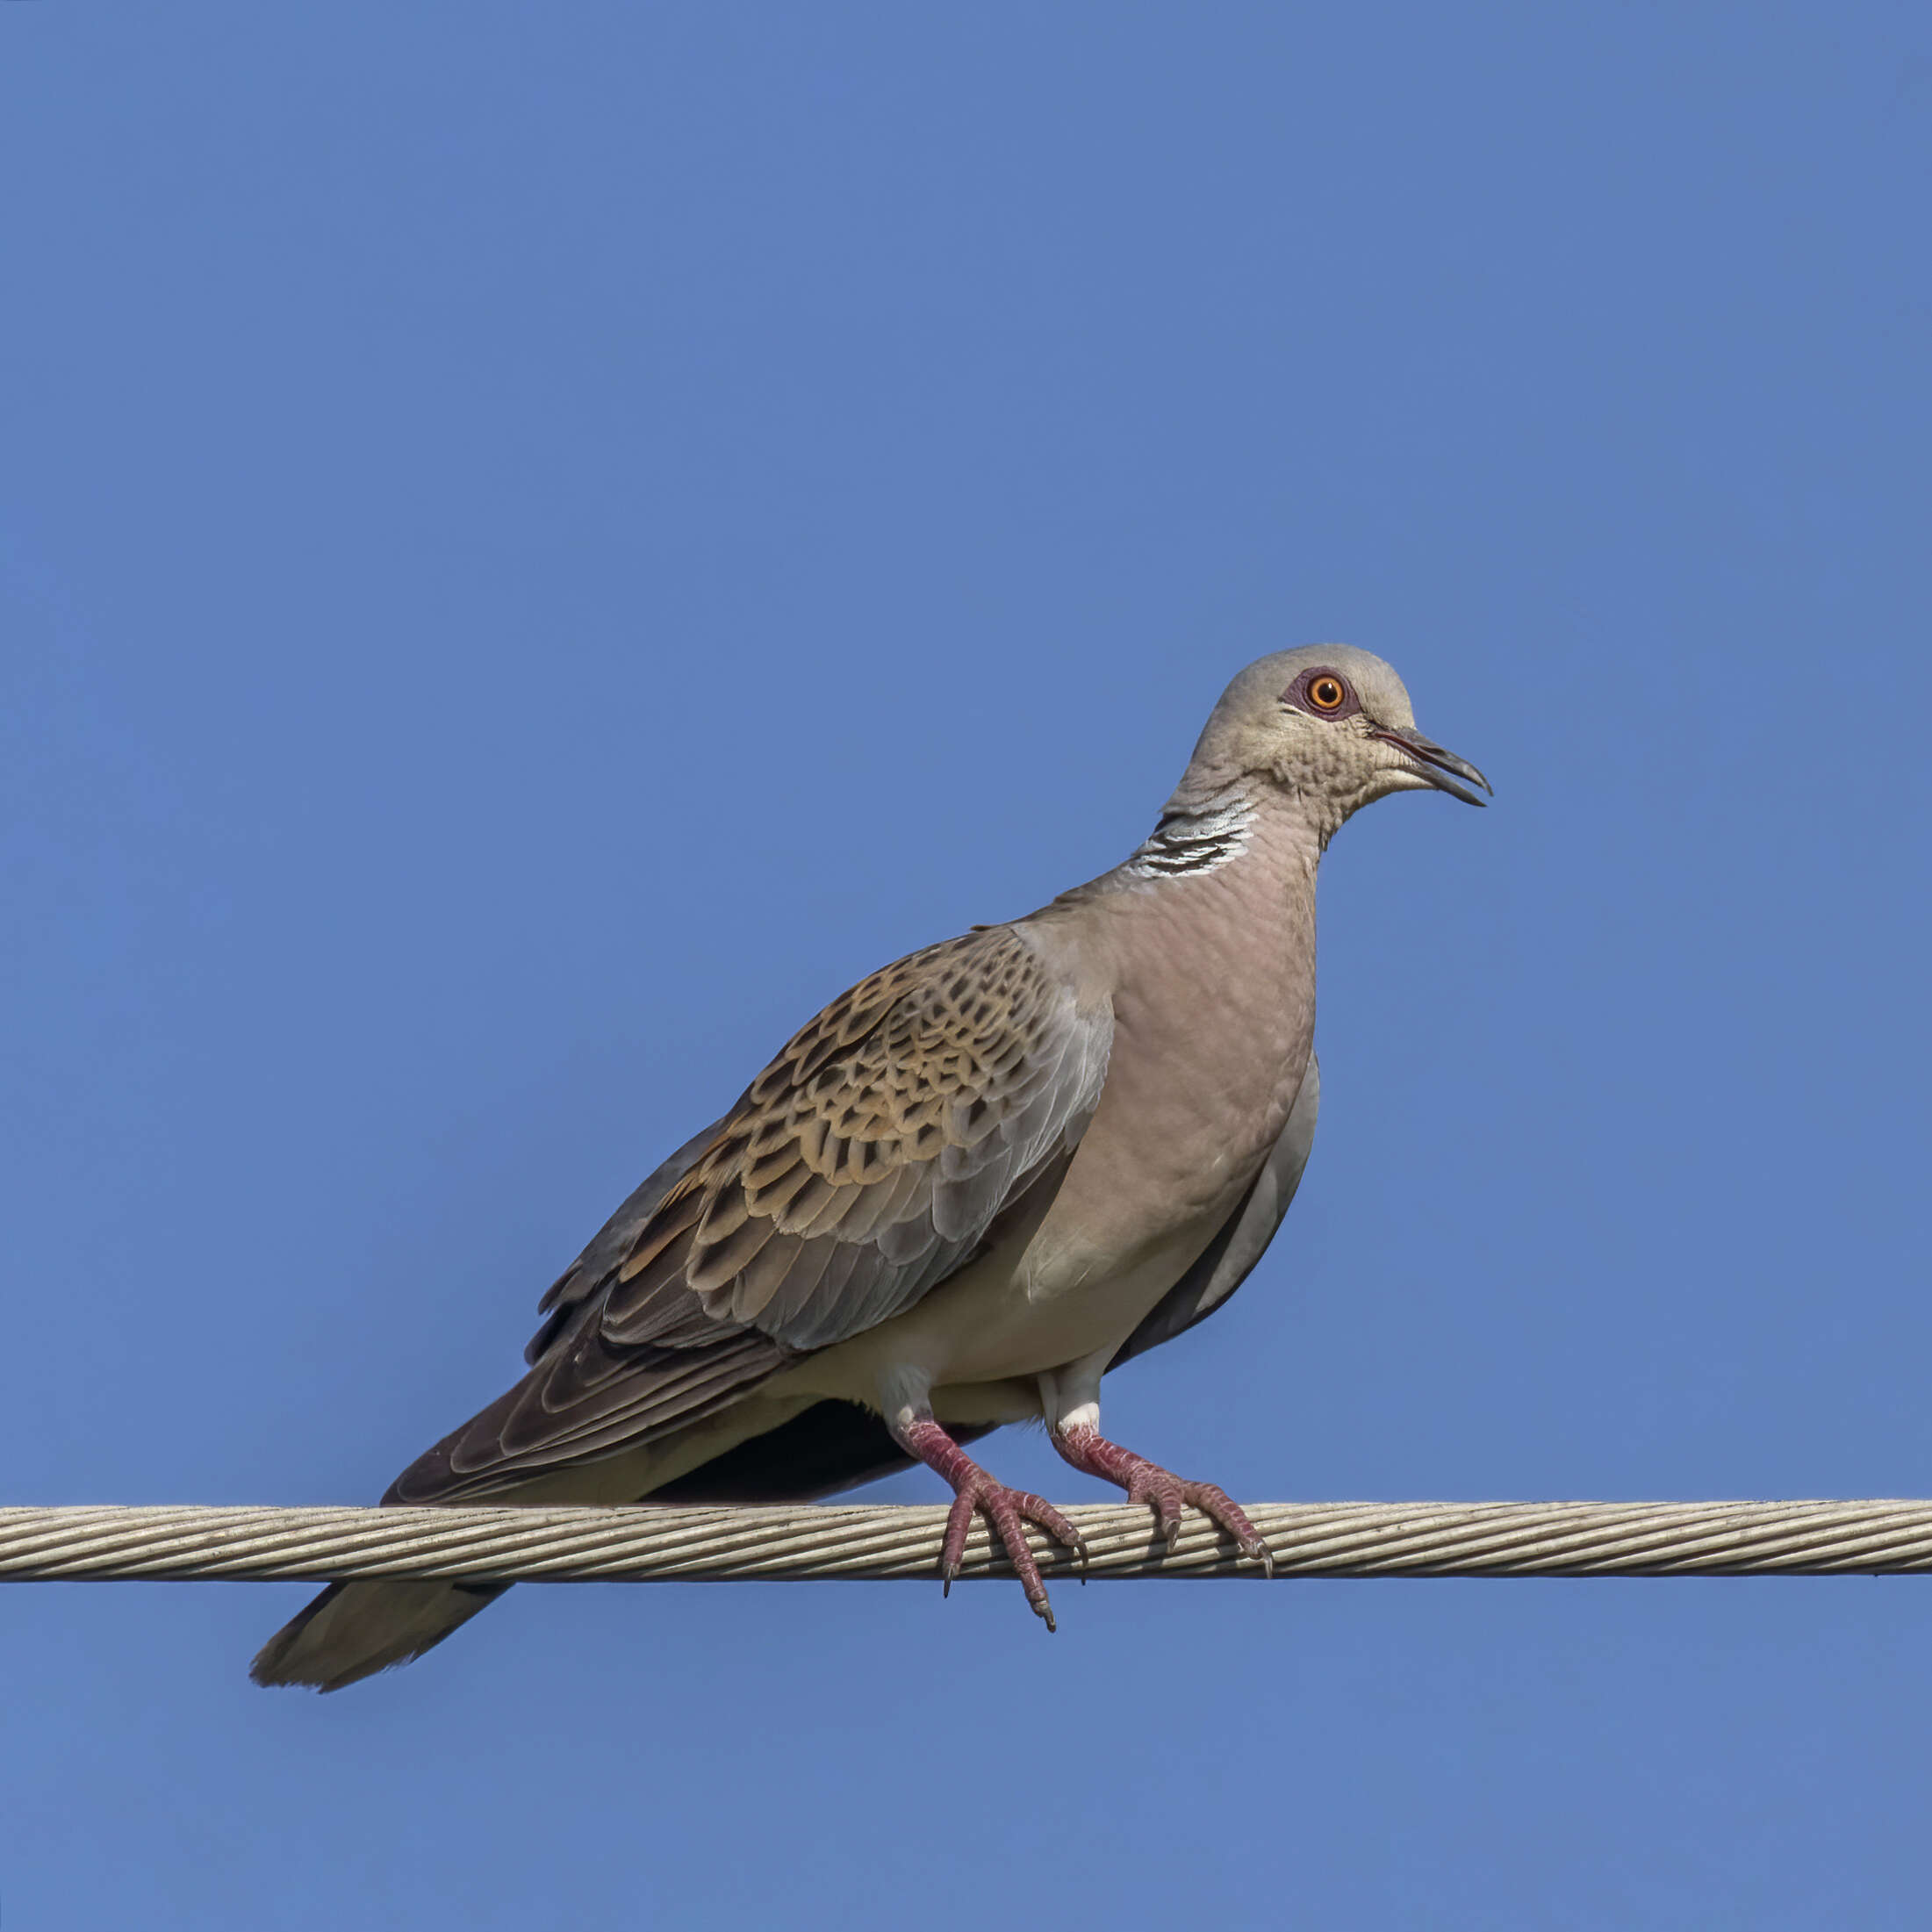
x=1008 y=1511
x=1144 y=1482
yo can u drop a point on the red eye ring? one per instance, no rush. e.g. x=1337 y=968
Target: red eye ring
x=1326 y=691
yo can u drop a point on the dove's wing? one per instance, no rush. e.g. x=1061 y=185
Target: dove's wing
x=865 y=1165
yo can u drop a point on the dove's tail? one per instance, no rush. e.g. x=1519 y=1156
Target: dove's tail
x=353 y=1630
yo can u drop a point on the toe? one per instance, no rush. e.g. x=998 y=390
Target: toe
x=1037 y=1510
x=1216 y=1504
x=1004 y=1508
x=952 y=1549
x=1161 y=1492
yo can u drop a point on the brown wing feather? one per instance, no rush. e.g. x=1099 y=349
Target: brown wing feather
x=859 y=1169
x=896 y=1125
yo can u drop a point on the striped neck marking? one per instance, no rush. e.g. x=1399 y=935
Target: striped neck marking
x=1201 y=839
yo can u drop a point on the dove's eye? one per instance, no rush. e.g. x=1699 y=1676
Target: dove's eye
x=1326 y=691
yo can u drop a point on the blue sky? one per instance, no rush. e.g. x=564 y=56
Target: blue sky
x=537 y=544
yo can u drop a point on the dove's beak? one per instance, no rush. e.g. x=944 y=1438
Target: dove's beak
x=1438 y=767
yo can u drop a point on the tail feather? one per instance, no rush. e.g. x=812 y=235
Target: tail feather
x=353 y=1630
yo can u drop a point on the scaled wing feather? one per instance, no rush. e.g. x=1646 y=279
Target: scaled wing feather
x=863 y=1166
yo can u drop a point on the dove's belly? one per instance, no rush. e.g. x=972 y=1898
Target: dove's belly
x=1012 y=1316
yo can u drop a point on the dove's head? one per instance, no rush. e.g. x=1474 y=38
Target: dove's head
x=1332 y=727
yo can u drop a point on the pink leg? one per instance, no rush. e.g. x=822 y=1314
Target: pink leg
x=1144 y=1482
x=1008 y=1511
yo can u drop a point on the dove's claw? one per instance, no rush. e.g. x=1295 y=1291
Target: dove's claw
x=1144 y=1482
x=1008 y=1512
x=1218 y=1506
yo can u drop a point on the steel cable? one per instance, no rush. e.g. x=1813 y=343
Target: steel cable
x=645 y=1544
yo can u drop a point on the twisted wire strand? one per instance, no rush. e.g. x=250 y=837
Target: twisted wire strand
x=822 y=1542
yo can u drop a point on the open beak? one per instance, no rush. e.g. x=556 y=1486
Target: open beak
x=1441 y=768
